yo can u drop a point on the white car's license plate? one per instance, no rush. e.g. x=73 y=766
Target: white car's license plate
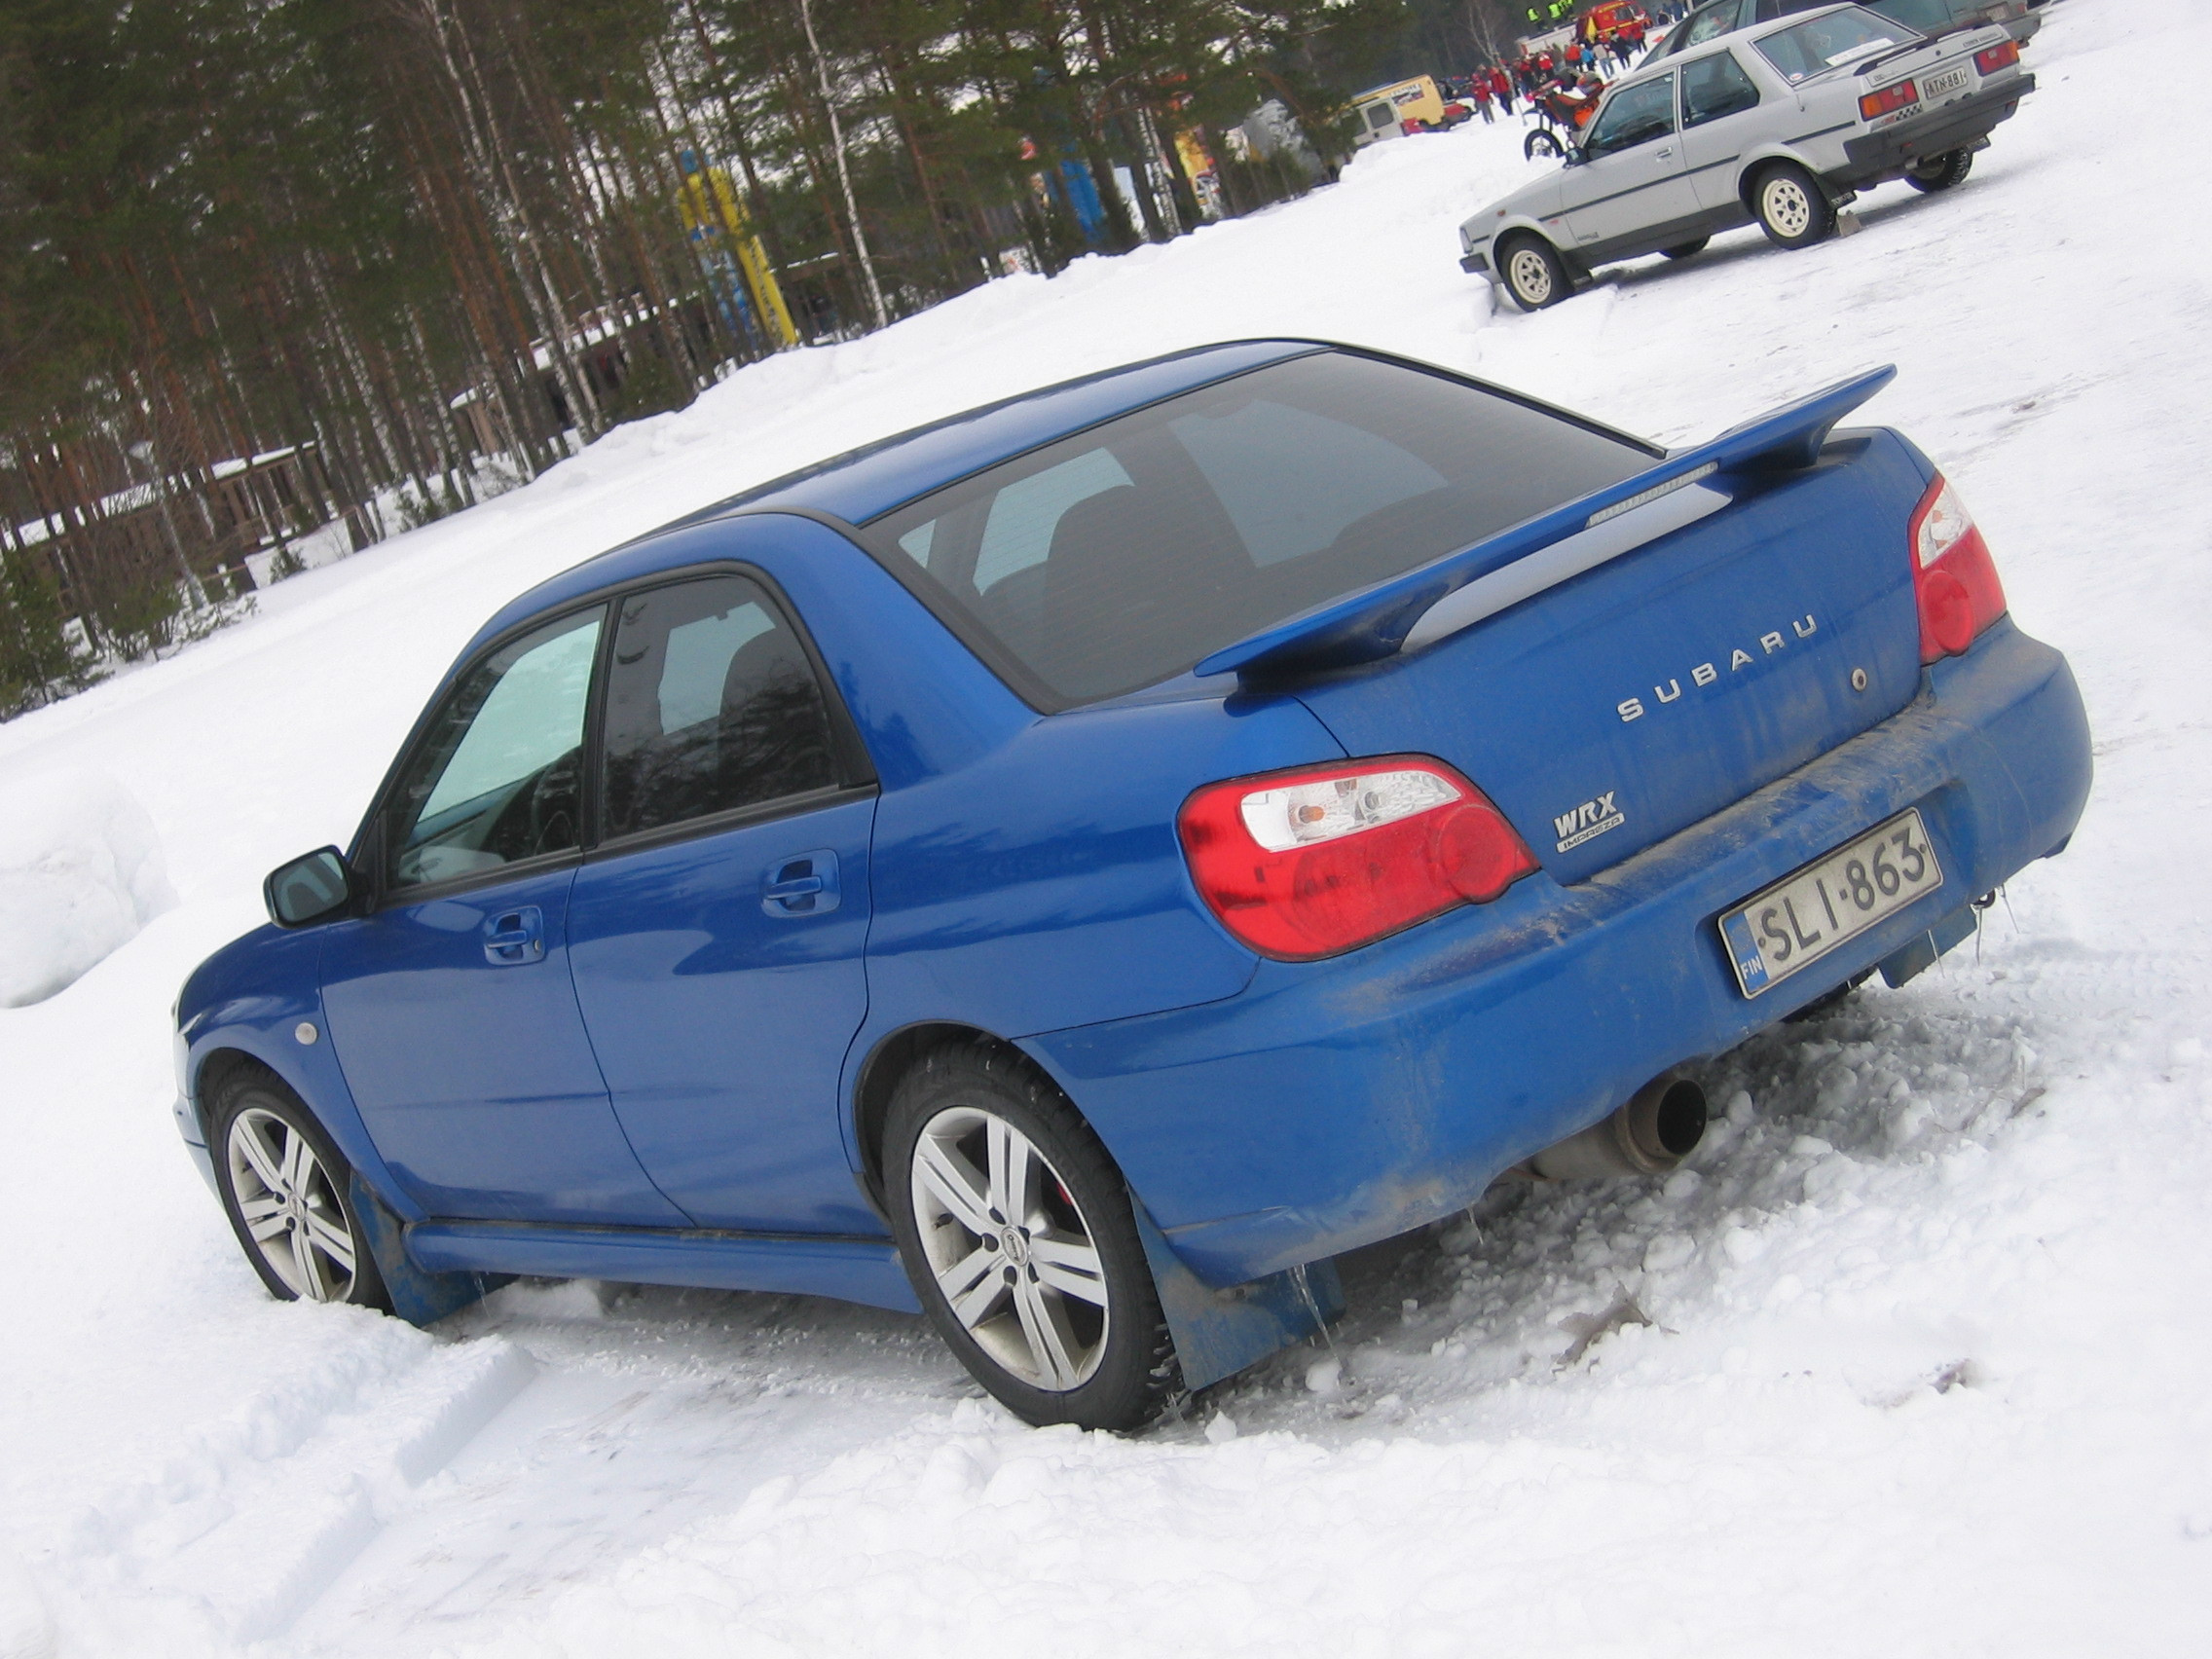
x=1804 y=916
x=1937 y=85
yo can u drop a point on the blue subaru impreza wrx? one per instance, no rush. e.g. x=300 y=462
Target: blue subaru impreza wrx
x=1078 y=867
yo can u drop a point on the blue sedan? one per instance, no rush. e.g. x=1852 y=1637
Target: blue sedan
x=1076 y=869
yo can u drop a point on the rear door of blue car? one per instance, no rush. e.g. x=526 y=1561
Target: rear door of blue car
x=715 y=932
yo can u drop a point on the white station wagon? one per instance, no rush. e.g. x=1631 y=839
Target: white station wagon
x=1782 y=123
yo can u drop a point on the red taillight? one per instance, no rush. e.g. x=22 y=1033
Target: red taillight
x=1887 y=99
x=2002 y=55
x=1310 y=863
x=1952 y=575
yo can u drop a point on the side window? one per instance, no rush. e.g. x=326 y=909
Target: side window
x=1634 y=115
x=496 y=778
x=711 y=705
x=1715 y=87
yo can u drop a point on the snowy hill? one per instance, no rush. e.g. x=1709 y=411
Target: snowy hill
x=1909 y=1360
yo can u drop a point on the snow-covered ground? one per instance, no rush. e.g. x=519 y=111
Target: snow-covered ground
x=1911 y=1360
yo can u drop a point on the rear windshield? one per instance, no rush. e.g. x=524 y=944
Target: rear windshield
x=1121 y=556
x=1820 y=44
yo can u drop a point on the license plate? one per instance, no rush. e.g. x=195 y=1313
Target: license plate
x=1936 y=86
x=1804 y=916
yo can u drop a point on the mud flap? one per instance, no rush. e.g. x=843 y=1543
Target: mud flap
x=1914 y=959
x=420 y=1297
x=1218 y=1333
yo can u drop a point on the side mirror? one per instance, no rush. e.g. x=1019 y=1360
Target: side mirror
x=311 y=889
x=1575 y=156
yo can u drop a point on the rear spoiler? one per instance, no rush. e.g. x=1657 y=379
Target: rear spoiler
x=1393 y=616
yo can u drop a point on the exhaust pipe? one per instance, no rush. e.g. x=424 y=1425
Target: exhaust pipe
x=1658 y=1128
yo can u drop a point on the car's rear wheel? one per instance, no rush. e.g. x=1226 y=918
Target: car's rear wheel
x=286 y=1190
x=1792 y=207
x=1682 y=251
x=1534 y=273
x=1016 y=1231
x=1940 y=173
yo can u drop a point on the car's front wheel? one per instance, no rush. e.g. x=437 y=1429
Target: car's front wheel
x=1792 y=208
x=1940 y=173
x=1016 y=1231
x=1534 y=273
x=286 y=1188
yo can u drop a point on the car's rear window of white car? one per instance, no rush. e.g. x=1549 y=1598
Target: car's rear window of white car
x=1120 y=556
x=1827 y=42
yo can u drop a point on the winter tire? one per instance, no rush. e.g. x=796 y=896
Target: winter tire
x=1016 y=1231
x=1682 y=251
x=286 y=1188
x=1792 y=207
x=1534 y=273
x=1542 y=142
x=1940 y=173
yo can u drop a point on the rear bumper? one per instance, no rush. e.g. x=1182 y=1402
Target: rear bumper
x=1937 y=133
x=1336 y=1103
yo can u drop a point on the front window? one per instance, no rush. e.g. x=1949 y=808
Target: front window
x=1121 y=556
x=497 y=777
x=1632 y=116
x=1828 y=42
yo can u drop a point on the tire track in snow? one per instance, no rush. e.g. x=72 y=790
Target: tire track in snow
x=238 y=1532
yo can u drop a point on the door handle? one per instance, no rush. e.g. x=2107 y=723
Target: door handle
x=1668 y=150
x=512 y=938
x=805 y=884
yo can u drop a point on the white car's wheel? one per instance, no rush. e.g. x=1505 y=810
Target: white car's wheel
x=1533 y=274
x=1792 y=208
x=1017 y=1234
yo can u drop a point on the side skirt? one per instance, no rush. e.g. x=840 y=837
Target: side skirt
x=1672 y=234
x=865 y=1270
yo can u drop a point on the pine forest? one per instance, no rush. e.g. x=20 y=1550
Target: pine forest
x=280 y=270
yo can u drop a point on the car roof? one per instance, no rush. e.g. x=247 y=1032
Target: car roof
x=865 y=483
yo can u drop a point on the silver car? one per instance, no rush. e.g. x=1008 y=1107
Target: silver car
x=1781 y=123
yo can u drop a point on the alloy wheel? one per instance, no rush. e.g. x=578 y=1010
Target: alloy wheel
x=1010 y=1248
x=290 y=1208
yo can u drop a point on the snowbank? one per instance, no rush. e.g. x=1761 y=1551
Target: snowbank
x=81 y=872
x=1907 y=1361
